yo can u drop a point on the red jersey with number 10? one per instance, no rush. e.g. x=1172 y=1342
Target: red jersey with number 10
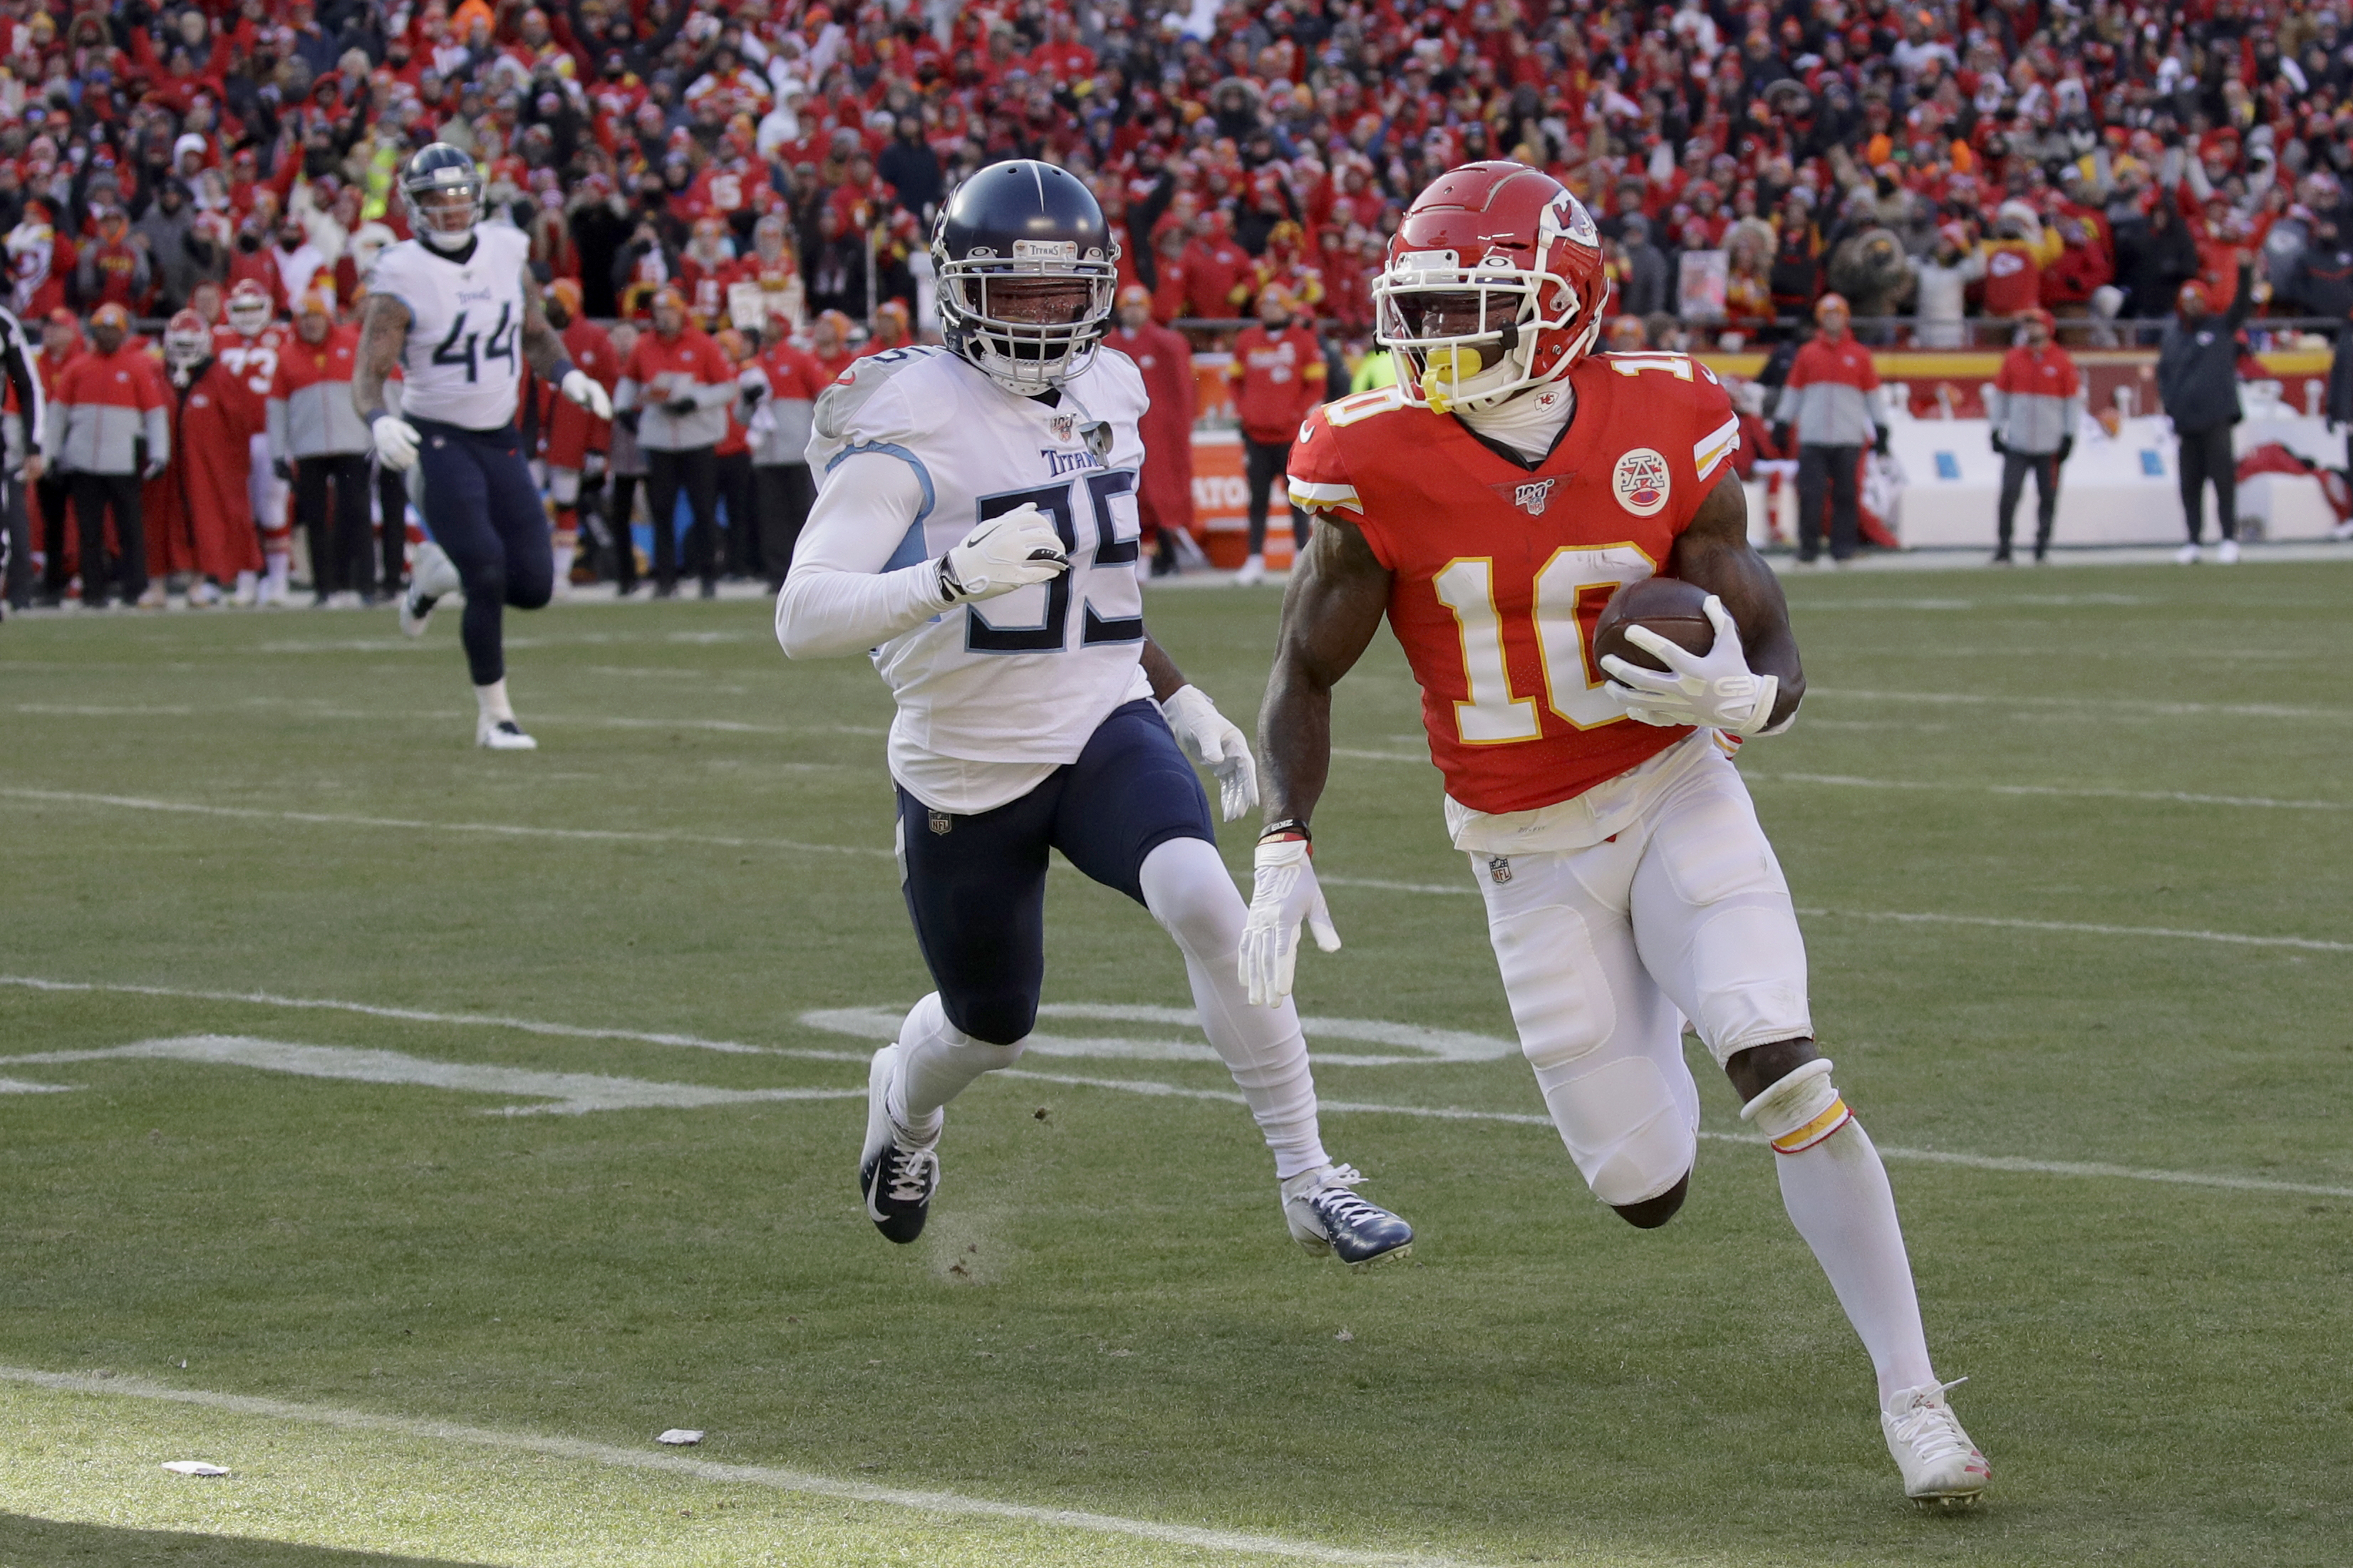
x=1499 y=572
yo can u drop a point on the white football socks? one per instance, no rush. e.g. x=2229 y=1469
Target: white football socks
x=277 y=564
x=492 y=699
x=1838 y=1196
x=564 y=557
x=1189 y=891
x=937 y=1061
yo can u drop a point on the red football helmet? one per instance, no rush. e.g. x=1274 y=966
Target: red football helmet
x=249 y=307
x=187 y=341
x=1494 y=283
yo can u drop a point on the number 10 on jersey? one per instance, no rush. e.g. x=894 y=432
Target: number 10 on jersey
x=1570 y=590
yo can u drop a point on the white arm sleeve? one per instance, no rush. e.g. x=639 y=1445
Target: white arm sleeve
x=839 y=598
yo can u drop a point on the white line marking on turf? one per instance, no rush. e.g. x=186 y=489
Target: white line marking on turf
x=1430 y=1045
x=499 y=829
x=2137 y=705
x=2234 y=939
x=18 y=1086
x=2164 y=796
x=2014 y=1163
x=418 y=1016
x=571 y=1093
x=773 y=1477
x=1140 y=1086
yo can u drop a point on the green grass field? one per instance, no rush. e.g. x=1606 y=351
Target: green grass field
x=414 y=1327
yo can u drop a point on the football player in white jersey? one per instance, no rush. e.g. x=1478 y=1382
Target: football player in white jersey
x=457 y=309
x=976 y=529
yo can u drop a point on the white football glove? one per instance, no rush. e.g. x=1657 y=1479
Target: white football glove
x=1716 y=690
x=1214 y=741
x=589 y=392
x=1002 y=554
x=395 y=442
x=1284 y=896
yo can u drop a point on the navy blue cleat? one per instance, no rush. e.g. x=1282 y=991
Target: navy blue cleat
x=895 y=1177
x=1326 y=1216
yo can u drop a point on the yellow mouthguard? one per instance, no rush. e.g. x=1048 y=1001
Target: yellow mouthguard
x=1445 y=370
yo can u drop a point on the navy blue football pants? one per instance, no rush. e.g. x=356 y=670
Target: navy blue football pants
x=483 y=509
x=976 y=886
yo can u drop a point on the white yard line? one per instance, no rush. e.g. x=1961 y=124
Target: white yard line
x=775 y=1479
x=2085 y=928
x=2096 y=705
x=1133 y=1086
x=498 y=829
x=1925 y=1156
x=2067 y=792
x=419 y=1015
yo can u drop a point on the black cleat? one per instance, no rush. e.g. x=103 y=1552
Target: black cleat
x=1326 y=1216
x=897 y=1181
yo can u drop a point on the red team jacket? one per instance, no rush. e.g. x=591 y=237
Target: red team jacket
x=1164 y=491
x=199 y=514
x=572 y=431
x=1276 y=378
x=1500 y=572
x=252 y=362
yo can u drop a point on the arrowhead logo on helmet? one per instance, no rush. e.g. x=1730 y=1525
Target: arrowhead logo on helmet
x=1472 y=336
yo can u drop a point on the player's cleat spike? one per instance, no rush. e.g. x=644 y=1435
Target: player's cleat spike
x=896 y=1175
x=431 y=577
x=502 y=735
x=1942 y=1469
x=1326 y=1216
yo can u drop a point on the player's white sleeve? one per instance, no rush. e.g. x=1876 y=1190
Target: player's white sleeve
x=844 y=593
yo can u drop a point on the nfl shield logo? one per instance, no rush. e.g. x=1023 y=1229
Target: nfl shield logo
x=1063 y=423
x=1499 y=867
x=941 y=821
x=1533 y=497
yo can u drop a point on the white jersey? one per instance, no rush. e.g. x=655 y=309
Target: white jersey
x=1015 y=684
x=463 y=360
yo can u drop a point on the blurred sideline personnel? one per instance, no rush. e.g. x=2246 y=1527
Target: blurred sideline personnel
x=1833 y=401
x=976 y=531
x=20 y=426
x=1164 y=491
x=318 y=443
x=780 y=386
x=1277 y=374
x=108 y=433
x=249 y=343
x=1487 y=504
x=577 y=440
x=674 y=392
x=200 y=512
x=457 y=309
x=2198 y=383
x=61 y=344
x=2033 y=404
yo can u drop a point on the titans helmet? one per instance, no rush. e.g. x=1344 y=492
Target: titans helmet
x=430 y=171
x=1005 y=238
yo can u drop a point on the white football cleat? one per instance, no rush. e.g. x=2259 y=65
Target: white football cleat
x=502 y=735
x=1942 y=1469
x=430 y=576
x=2186 y=556
x=1252 y=573
x=2227 y=553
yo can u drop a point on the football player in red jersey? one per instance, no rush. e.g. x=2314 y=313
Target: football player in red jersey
x=248 y=348
x=1489 y=505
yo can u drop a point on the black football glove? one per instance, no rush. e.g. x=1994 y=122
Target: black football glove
x=680 y=407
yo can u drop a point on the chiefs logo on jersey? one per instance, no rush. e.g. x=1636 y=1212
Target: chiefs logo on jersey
x=1641 y=481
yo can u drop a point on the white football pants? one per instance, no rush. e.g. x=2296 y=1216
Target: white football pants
x=1605 y=951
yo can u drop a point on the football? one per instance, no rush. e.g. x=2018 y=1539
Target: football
x=1667 y=605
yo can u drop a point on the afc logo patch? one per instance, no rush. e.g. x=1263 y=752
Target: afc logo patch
x=1499 y=868
x=1533 y=497
x=1639 y=482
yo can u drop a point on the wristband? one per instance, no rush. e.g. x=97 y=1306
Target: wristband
x=1288 y=827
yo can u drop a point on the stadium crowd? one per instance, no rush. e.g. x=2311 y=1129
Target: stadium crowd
x=762 y=174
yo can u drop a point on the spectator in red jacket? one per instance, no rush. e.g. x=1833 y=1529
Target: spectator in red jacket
x=1163 y=492
x=577 y=439
x=108 y=431
x=318 y=443
x=780 y=386
x=1277 y=374
x=199 y=514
